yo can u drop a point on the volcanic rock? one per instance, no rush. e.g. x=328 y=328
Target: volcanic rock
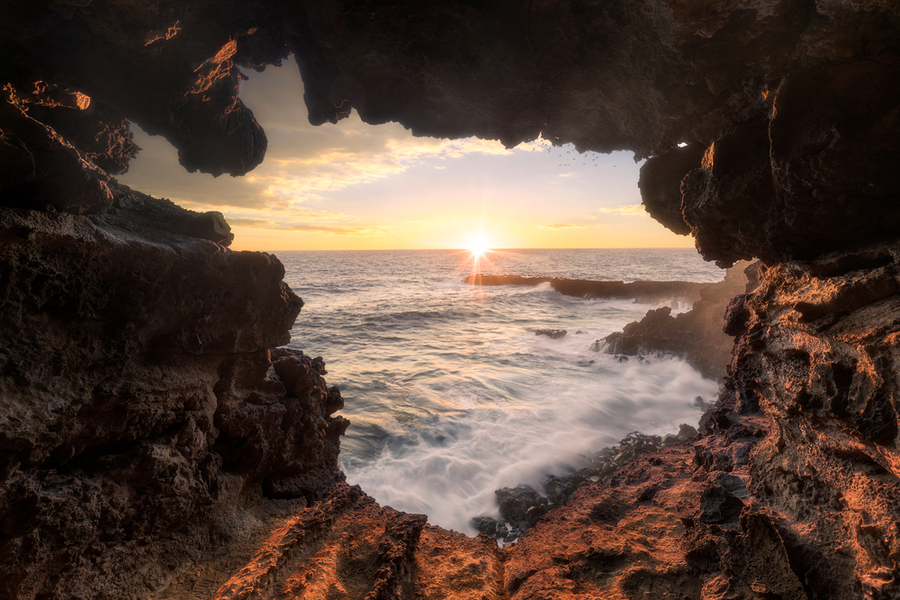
x=553 y=334
x=640 y=291
x=144 y=424
x=696 y=335
x=149 y=447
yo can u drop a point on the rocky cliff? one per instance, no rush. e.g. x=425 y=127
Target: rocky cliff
x=151 y=444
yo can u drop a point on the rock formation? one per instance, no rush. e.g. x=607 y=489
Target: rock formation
x=640 y=291
x=145 y=421
x=695 y=335
x=152 y=446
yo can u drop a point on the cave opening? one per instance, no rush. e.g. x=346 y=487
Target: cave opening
x=456 y=391
x=159 y=440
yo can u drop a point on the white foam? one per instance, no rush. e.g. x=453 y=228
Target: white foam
x=490 y=445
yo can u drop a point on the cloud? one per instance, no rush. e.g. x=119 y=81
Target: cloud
x=288 y=177
x=353 y=230
x=303 y=162
x=565 y=174
x=558 y=226
x=631 y=210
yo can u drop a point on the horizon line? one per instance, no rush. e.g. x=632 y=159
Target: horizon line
x=469 y=250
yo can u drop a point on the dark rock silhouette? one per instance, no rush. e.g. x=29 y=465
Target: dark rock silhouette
x=145 y=424
x=554 y=334
x=643 y=291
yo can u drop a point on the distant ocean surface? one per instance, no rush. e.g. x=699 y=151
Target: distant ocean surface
x=450 y=393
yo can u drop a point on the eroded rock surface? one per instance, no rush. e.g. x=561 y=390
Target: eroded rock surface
x=695 y=335
x=144 y=422
x=152 y=446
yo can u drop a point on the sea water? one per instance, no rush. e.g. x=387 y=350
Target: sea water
x=450 y=392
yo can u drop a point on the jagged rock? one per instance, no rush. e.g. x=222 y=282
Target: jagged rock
x=521 y=504
x=723 y=198
x=144 y=424
x=42 y=170
x=696 y=335
x=660 y=184
x=768 y=189
x=609 y=460
x=128 y=340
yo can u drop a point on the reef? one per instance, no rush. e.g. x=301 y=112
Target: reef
x=639 y=291
x=153 y=445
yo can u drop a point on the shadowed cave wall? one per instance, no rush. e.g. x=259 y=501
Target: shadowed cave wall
x=154 y=445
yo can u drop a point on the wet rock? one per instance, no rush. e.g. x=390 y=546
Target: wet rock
x=695 y=335
x=553 y=334
x=486 y=525
x=608 y=461
x=521 y=504
x=641 y=291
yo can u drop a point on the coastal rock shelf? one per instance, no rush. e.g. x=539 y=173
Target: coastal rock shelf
x=153 y=445
x=695 y=335
x=641 y=291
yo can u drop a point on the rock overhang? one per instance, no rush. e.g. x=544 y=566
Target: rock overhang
x=789 y=111
x=775 y=98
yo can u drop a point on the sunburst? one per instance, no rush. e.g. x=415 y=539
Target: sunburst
x=478 y=248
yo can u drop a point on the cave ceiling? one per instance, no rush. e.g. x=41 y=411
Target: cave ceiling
x=770 y=126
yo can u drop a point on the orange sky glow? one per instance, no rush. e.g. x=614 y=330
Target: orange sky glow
x=353 y=186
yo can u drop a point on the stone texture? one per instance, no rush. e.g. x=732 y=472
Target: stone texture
x=695 y=335
x=144 y=423
x=151 y=446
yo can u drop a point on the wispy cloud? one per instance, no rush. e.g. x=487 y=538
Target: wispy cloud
x=631 y=210
x=351 y=230
x=289 y=177
x=558 y=226
x=303 y=163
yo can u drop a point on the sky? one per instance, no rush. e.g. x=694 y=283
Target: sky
x=357 y=186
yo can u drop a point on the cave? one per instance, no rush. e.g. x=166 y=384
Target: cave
x=157 y=440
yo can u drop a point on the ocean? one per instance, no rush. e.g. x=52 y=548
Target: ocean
x=450 y=392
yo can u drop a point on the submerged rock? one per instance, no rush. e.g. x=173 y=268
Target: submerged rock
x=553 y=334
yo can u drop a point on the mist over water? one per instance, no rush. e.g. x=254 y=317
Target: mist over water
x=450 y=393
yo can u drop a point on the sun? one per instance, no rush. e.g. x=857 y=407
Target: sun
x=478 y=248
x=478 y=244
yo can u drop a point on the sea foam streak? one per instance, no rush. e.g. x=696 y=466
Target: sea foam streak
x=450 y=393
x=449 y=465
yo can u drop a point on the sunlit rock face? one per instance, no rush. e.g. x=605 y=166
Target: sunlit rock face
x=152 y=446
